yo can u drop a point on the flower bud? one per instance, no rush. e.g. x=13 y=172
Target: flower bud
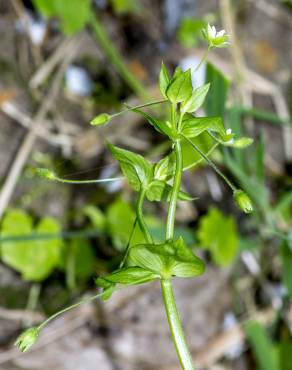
x=44 y=172
x=243 y=201
x=101 y=119
x=27 y=339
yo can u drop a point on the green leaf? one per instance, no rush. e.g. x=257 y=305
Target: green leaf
x=286 y=254
x=261 y=346
x=79 y=261
x=34 y=259
x=120 y=220
x=217 y=232
x=285 y=354
x=180 y=87
x=131 y=276
x=136 y=168
x=73 y=14
x=196 y=100
x=159 y=190
x=122 y=7
x=96 y=216
x=163 y=80
x=163 y=127
x=45 y=7
x=194 y=126
x=167 y=259
x=190 y=31
x=219 y=85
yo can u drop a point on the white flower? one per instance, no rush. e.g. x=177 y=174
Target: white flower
x=215 y=39
x=228 y=131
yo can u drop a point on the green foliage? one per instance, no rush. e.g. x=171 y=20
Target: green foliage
x=219 y=86
x=217 y=232
x=164 y=80
x=120 y=218
x=196 y=100
x=73 y=14
x=180 y=86
x=190 y=31
x=122 y=7
x=79 y=261
x=34 y=259
x=167 y=259
x=137 y=170
x=263 y=350
x=286 y=254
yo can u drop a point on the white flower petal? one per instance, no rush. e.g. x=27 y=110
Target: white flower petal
x=220 y=33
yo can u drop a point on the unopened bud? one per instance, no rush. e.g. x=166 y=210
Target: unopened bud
x=243 y=201
x=101 y=119
x=27 y=339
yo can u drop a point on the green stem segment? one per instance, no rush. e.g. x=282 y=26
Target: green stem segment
x=140 y=217
x=175 y=326
x=174 y=195
x=212 y=164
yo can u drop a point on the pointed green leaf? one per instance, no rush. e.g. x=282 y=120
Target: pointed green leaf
x=136 y=168
x=180 y=87
x=167 y=259
x=196 y=100
x=163 y=127
x=163 y=80
x=194 y=126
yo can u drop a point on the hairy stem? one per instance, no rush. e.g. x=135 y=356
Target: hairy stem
x=175 y=326
x=175 y=191
x=140 y=217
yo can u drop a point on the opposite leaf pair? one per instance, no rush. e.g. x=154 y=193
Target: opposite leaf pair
x=148 y=262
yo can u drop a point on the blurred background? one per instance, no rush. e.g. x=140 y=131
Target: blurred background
x=62 y=62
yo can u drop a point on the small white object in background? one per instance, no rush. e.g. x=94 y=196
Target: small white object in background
x=36 y=28
x=107 y=172
x=229 y=322
x=250 y=262
x=78 y=81
x=192 y=61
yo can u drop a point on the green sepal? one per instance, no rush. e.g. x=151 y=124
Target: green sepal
x=159 y=190
x=137 y=169
x=163 y=80
x=167 y=259
x=180 y=87
x=163 y=127
x=196 y=100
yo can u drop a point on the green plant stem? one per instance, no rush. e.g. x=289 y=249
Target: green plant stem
x=123 y=261
x=175 y=326
x=175 y=191
x=204 y=57
x=99 y=181
x=213 y=165
x=115 y=57
x=140 y=217
x=83 y=301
